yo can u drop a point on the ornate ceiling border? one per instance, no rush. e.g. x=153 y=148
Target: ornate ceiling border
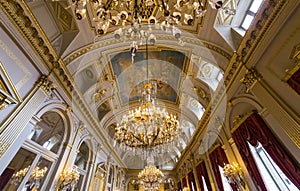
x=108 y=42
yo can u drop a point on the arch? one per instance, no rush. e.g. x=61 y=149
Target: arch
x=61 y=109
x=244 y=104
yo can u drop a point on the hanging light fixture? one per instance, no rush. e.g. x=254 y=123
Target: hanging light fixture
x=150 y=177
x=35 y=177
x=233 y=174
x=69 y=179
x=109 y=13
x=149 y=126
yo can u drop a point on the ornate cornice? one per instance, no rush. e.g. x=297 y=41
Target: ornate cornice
x=253 y=37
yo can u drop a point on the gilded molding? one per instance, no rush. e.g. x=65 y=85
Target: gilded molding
x=250 y=78
x=111 y=41
x=295 y=54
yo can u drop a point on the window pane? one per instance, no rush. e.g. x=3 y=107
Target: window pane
x=49 y=131
x=247 y=21
x=255 y=5
x=272 y=175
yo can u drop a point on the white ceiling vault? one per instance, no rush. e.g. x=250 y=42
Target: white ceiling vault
x=188 y=74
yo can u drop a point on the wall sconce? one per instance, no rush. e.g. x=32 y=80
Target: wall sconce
x=69 y=179
x=233 y=174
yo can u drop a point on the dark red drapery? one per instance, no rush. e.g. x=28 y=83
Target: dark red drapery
x=5 y=177
x=179 y=186
x=184 y=183
x=201 y=171
x=218 y=158
x=255 y=130
x=294 y=81
x=191 y=179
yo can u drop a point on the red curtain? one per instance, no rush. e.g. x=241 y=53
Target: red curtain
x=184 y=183
x=179 y=186
x=5 y=177
x=201 y=171
x=191 y=179
x=218 y=158
x=294 y=81
x=255 y=130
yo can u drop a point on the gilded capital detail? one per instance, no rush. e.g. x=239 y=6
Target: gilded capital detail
x=250 y=78
x=45 y=84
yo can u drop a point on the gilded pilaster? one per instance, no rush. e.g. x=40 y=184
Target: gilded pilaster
x=14 y=126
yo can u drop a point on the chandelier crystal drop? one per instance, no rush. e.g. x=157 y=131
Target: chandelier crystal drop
x=110 y=13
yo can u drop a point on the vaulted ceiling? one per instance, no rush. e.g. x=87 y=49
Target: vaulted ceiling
x=187 y=73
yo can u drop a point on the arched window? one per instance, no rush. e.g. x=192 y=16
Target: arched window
x=81 y=162
x=30 y=166
x=259 y=149
x=49 y=131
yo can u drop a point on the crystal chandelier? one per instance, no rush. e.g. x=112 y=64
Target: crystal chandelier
x=149 y=126
x=151 y=178
x=110 y=13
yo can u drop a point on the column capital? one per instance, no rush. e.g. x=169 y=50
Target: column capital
x=250 y=78
x=45 y=84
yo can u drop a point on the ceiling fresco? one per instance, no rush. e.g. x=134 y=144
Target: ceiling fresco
x=164 y=66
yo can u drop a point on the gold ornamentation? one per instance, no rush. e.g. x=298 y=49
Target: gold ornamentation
x=251 y=77
x=99 y=94
x=68 y=179
x=45 y=84
x=201 y=93
x=234 y=175
x=295 y=54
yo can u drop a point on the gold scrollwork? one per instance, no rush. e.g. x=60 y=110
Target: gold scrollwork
x=98 y=95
